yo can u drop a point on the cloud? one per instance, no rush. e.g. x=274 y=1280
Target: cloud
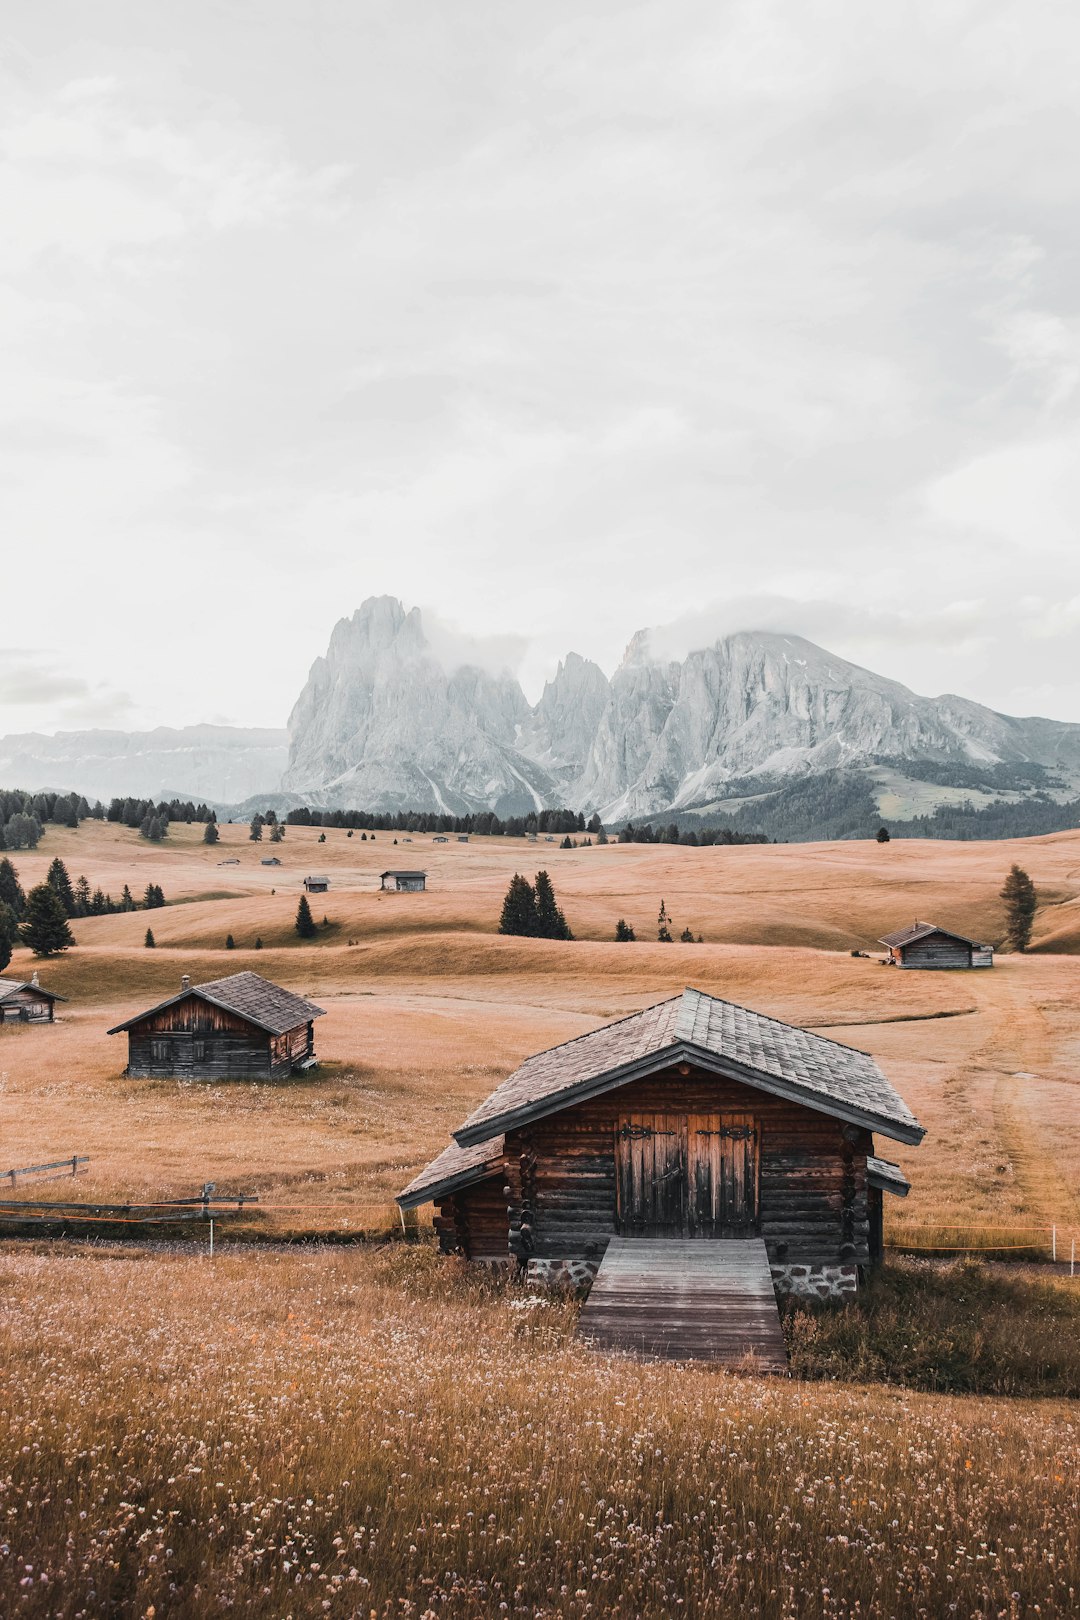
x=40 y=692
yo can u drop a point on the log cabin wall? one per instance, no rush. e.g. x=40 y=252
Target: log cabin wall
x=192 y=1038
x=935 y=951
x=812 y=1204
x=26 y=1006
x=473 y=1222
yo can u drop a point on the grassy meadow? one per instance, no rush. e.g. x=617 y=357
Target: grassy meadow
x=366 y=1431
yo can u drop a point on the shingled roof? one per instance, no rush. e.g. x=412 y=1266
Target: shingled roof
x=456 y=1167
x=923 y=930
x=888 y=1176
x=713 y=1034
x=250 y=996
x=9 y=987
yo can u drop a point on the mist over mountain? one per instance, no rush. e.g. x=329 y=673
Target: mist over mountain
x=214 y=763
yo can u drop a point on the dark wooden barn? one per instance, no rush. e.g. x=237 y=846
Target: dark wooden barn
x=23 y=1001
x=925 y=945
x=242 y=1027
x=695 y=1119
x=316 y=884
x=401 y=882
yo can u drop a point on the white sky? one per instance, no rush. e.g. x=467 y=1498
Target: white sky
x=557 y=319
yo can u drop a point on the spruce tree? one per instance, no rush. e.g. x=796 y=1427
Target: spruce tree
x=687 y=936
x=230 y=943
x=519 y=909
x=305 y=922
x=258 y=942
x=9 y=934
x=58 y=880
x=663 y=929
x=127 y=899
x=149 y=941
x=623 y=930
x=883 y=835
x=255 y=831
x=22 y=831
x=550 y=922
x=277 y=832
x=45 y=926
x=211 y=835
x=11 y=893
x=82 y=896
x=1021 y=903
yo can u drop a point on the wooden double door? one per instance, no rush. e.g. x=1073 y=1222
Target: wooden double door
x=687 y=1174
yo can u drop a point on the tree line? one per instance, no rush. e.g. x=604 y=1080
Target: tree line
x=41 y=918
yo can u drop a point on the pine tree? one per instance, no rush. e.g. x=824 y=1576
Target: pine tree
x=687 y=936
x=623 y=930
x=82 y=896
x=601 y=837
x=149 y=941
x=45 y=926
x=9 y=934
x=883 y=835
x=22 y=831
x=566 y=844
x=1021 y=903
x=305 y=922
x=322 y=838
x=277 y=833
x=127 y=899
x=663 y=930
x=58 y=880
x=258 y=942
x=550 y=922
x=230 y=943
x=255 y=832
x=519 y=909
x=211 y=834
x=11 y=893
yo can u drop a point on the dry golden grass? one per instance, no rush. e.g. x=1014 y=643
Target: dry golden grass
x=429 y=1007
x=374 y=1434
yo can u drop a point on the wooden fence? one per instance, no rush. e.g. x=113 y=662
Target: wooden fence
x=47 y=1172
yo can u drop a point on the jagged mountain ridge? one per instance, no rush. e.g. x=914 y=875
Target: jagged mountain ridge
x=381 y=724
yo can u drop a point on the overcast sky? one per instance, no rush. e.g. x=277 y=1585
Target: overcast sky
x=558 y=320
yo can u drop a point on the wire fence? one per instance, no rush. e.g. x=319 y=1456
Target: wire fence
x=1054 y=1243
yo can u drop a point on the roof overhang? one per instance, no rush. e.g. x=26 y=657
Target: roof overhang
x=886 y=1176
x=433 y=1192
x=222 y=1006
x=37 y=989
x=685 y=1052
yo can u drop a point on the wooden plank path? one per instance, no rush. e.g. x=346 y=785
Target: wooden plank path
x=698 y=1300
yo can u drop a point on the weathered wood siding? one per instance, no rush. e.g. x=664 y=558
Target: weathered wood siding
x=473 y=1222
x=811 y=1201
x=935 y=951
x=26 y=1006
x=196 y=1040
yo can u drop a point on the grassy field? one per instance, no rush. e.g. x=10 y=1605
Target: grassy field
x=367 y=1431
x=353 y=1433
x=428 y=1007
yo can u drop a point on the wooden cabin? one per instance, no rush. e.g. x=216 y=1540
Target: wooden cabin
x=241 y=1027
x=925 y=945
x=693 y=1119
x=316 y=884
x=23 y=1001
x=403 y=882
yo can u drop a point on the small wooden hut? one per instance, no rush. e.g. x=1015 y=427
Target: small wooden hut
x=241 y=1027
x=693 y=1119
x=926 y=945
x=24 y=1001
x=316 y=883
x=403 y=882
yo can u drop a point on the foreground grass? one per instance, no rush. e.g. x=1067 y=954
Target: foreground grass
x=351 y=1433
x=963 y=1328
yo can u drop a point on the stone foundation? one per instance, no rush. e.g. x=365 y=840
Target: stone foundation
x=815 y=1282
x=573 y=1274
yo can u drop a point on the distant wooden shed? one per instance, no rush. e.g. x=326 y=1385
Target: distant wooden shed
x=316 y=884
x=926 y=945
x=24 y=1001
x=402 y=882
x=695 y=1119
x=240 y=1027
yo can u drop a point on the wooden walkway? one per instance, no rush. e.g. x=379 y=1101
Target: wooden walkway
x=698 y=1300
